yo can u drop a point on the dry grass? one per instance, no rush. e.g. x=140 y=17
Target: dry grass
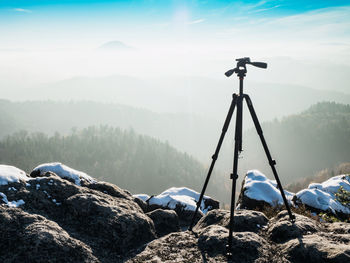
x=320 y=177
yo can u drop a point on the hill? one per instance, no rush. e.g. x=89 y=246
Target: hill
x=202 y=96
x=138 y=163
x=304 y=143
x=188 y=133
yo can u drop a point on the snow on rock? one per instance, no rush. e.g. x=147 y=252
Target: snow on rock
x=258 y=187
x=64 y=171
x=11 y=174
x=4 y=198
x=16 y=203
x=182 y=196
x=11 y=203
x=322 y=195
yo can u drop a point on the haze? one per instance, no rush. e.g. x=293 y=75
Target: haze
x=170 y=56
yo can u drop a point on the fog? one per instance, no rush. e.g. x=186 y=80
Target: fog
x=174 y=62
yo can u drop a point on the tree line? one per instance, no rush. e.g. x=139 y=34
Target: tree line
x=135 y=162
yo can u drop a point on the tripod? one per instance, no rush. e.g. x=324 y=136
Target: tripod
x=237 y=100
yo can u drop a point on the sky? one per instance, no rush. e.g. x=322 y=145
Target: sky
x=44 y=41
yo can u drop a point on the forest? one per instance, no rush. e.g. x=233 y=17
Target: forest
x=306 y=143
x=134 y=148
x=138 y=163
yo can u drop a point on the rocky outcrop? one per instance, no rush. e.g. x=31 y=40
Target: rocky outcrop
x=276 y=240
x=96 y=219
x=244 y=220
x=332 y=196
x=25 y=237
x=182 y=200
x=165 y=221
x=52 y=218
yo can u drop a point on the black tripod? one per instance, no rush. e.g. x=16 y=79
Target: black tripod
x=241 y=71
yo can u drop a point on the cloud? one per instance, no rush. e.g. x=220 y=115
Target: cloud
x=196 y=21
x=264 y=9
x=22 y=10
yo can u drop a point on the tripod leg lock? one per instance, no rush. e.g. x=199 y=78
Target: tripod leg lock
x=272 y=162
x=234 y=176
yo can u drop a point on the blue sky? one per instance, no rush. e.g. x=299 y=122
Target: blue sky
x=219 y=24
x=184 y=32
x=163 y=8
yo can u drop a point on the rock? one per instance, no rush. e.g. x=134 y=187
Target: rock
x=244 y=220
x=258 y=191
x=338 y=228
x=62 y=171
x=110 y=189
x=213 y=240
x=118 y=223
x=142 y=204
x=281 y=229
x=313 y=248
x=175 y=247
x=105 y=218
x=32 y=237
x=323 y=196
x=165 y=221
x=183 y=201
x=55 y=219
x=246 y=246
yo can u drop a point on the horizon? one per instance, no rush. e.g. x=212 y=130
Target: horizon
x=304 y=42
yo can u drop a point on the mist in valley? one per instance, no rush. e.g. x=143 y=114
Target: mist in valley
x=159 y=72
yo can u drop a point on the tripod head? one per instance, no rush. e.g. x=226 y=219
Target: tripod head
x=241 y=68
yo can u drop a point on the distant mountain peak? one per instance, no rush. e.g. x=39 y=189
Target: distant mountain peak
x=114 y=46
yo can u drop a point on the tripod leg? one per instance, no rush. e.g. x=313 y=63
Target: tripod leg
x=271 y=161
x=215 y=156
x=234 y=175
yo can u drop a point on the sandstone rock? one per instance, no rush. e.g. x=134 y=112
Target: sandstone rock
x=165 y=221
x=282 y=229
x=313 y=248
x=32 y=238
x=175 y=247
x=105 y=218
x=258 y=191
x=183 y=201
x=142 y=204
x=245 y=220
x=118 y=223
x=110 y=189
x=246 y=246
x=338 y=228
x=213 y=240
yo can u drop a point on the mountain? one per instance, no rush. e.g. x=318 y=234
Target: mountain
x=186 y=132
x=114 y=46
x=304 y=143
x=138 y=163
x=207 y=97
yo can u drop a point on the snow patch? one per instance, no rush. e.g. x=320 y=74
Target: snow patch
x=258 y=187
x=4 y=198
x=11 y=174
x=11 y=203
x=183 y=196
x=322 y=195
x=64 y=171
x=16 y=203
